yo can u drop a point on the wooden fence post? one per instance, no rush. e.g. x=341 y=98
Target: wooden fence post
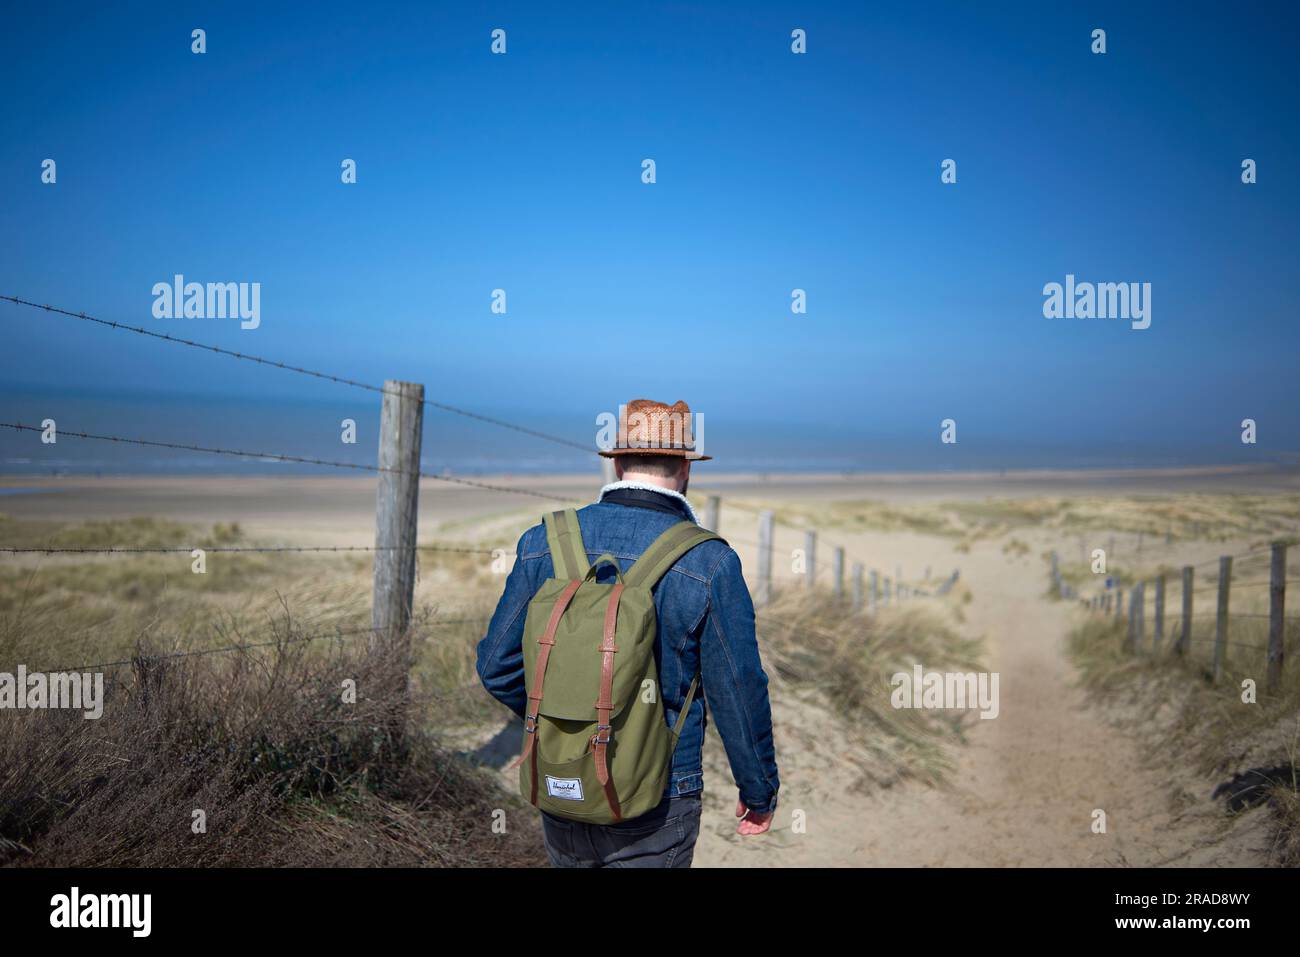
x=875 y=590
x=1276 y=614
x=765 y=521
x=1140 y=615
x=401 y=422
x=837 y=571
x=1221 y=617
x=1119 y=601
x=857 y=586
x=1130 y=638
x=1185 y=626
x=885 y=598
x=810 y=556
x=712 y=511
x=1158 y=636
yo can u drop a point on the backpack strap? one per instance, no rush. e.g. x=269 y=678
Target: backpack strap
x=664 y=552
x=686 y=707
x=564 y=538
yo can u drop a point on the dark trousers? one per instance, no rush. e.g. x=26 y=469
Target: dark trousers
x=662 y=837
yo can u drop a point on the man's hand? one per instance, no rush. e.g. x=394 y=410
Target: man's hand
x=751 y=822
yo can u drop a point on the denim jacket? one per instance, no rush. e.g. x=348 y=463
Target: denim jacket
x=706 y=625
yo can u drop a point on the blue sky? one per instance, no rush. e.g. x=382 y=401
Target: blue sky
x=775 y=171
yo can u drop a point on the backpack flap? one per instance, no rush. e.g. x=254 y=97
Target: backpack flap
x=574 y=670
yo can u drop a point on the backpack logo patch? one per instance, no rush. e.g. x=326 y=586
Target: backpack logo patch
x=566 y=789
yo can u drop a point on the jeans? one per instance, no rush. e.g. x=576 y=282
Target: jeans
x=662 y=837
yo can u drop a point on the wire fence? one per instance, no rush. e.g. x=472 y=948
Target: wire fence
x=297 y=459
x=289 y=639
x=300 y=370
x=848 y=575
x=233 y=549
x=1207 y=624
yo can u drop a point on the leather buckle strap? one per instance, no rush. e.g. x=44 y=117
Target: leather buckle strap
x=546 y=642
x=600 y=741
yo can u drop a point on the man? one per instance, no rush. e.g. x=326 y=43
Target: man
x=705 y=626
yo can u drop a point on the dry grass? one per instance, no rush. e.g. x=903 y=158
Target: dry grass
x=810 y=640
x=264 y=743
x=1176 y=707
x=261 y=740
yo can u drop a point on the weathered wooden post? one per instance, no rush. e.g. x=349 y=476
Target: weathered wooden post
x=837 y=571
x=1119 y=601
x=1130 y=639
x=857 y=586
x=875 y=590
x=885 y=600
x=712 y=511
x=1276 y=614
x=765 y=522
x=1221 y=616
x=1140 y=614
x=1159 y=633
x=1185 y=626
x=810 y=556
x=401 y=421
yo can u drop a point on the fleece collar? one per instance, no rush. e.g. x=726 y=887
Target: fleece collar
x=647 y=487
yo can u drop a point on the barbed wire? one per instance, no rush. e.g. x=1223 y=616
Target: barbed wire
x=300 y=370
x=169 y=549
x=296 y=459
x=225 y=649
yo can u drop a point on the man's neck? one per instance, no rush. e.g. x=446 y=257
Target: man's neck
x=646 y=478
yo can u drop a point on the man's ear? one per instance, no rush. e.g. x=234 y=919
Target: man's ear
x=684 y=473
x=618 y=467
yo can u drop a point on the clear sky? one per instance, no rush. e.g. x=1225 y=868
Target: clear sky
x=775 y=171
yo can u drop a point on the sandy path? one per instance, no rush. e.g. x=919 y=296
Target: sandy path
x=1025 y=785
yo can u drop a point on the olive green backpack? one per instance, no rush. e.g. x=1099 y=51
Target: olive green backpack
x=596 y=745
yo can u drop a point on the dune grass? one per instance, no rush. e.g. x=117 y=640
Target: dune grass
x=1177 y=517
x=813 y=641
x=259 y=739
x=1176 y=707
